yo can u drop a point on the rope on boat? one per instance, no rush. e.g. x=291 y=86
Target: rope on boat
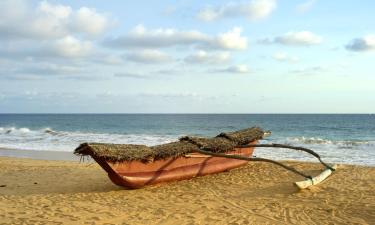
x=289 y=147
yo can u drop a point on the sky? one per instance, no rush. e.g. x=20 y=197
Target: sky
x=257 y=56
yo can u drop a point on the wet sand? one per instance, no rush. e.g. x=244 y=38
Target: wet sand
x=65 y=192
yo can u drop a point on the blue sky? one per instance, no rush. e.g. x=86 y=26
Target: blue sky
x=258 y=56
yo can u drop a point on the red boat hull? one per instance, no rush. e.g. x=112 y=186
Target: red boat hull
x=136 y=174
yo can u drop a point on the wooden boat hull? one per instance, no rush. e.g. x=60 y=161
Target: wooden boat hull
x=136 y=174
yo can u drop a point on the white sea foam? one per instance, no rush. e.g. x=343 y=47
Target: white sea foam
x=335 y=151
x=52 y=140
x=315 y=140
x=338 y=151
x=24 y=130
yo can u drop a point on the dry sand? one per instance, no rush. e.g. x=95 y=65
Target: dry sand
x=59 y=192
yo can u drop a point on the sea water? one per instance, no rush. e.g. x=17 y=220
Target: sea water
x=339 y=138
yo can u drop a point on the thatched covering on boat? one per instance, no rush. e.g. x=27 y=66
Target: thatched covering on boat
x=216 y=144
x=116 y=152
x=245 y=136
x=129 y=152
x=173 y=149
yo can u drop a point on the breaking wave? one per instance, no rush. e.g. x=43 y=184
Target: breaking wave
x=338 y=151
x=52 y=140
x=321 y=141
x=8 y=130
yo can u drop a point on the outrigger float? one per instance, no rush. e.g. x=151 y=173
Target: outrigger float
x=134 y=166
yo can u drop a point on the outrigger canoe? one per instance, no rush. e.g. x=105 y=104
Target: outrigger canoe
x=134 y=166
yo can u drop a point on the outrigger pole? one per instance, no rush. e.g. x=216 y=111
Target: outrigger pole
x=309 y=180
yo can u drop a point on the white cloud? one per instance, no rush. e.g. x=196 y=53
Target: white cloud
x=72 y=47
x=298 y=38
x=52 y=33
x=253 y=10
x=43 y=22
x=149 y=56
x=209 y=58
x=140 y=37
x=242 y=69
x=144 y=38
x=305 y=6
x=48 y=20
x=65 y=47
x=89 y=21
x=56 y=11
x=36 y=70
x=366 y=43
x=231 y=40
x=284 y=57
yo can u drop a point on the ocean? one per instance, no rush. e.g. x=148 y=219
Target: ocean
x=338 y=138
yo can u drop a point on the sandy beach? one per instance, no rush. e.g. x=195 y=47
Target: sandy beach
x=62 y=192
